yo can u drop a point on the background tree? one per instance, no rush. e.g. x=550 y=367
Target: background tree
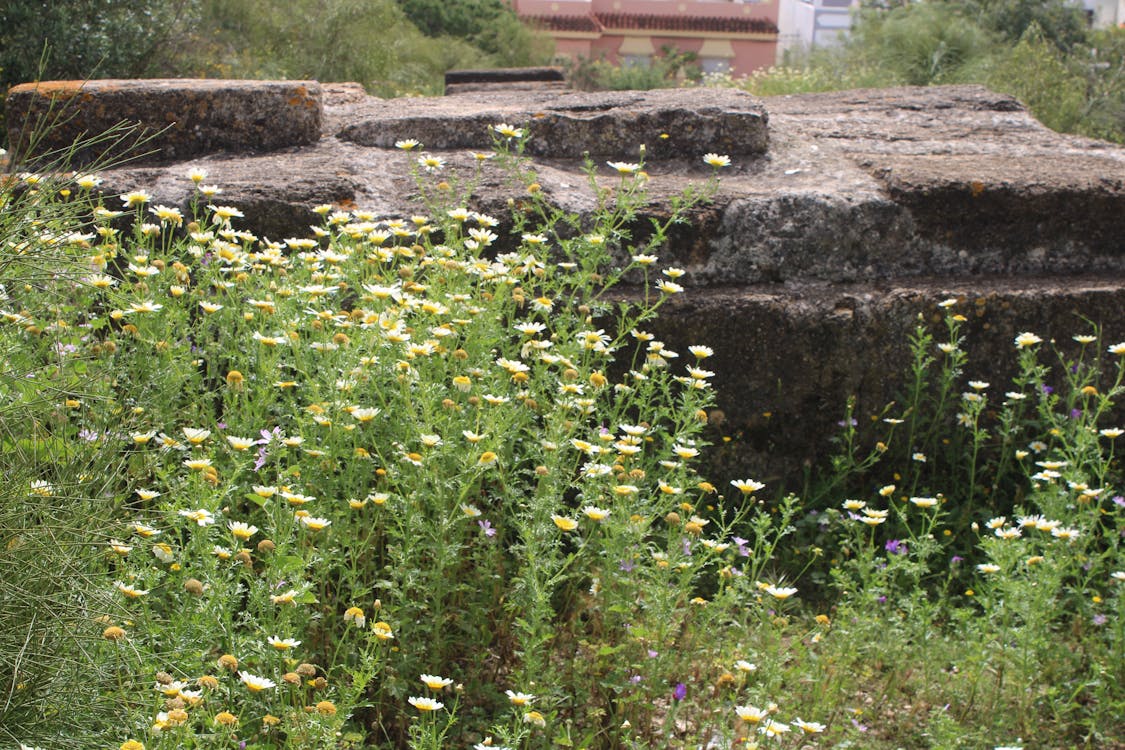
x=80 y=38
x=491 y=25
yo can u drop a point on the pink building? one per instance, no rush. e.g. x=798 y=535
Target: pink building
x=727 y=36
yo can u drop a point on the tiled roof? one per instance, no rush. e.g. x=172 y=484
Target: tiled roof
x=585 y=24
x=654 y=22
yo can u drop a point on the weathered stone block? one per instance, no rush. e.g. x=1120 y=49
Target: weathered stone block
x=174 y=119
x=669 y=122
x=506 y=80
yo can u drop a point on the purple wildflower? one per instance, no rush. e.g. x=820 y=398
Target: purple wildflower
x=679 y=692
x=486 y=528
x=743 y=550
x=626 y=566
x=896 y=547
x=1100 y=619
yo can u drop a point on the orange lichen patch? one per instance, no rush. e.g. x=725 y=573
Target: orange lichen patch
x=51 y=89
x=976 y=187
x=301 y=98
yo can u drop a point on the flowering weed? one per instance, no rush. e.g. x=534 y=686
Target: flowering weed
x=428 y=482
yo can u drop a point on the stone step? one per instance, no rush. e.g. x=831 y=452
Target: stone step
x=670 y=122
x=788 y=356
x=173 y=119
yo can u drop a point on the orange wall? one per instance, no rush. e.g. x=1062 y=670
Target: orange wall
x=749 y=54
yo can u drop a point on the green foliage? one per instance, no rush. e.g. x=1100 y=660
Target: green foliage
x=1035 y=72
x=78 y=39
x=920 y=44
x=373 y=42
x=490 y=25
x=669 y=69
x=259 y=489
x=53 y=506
x=1101 y=60
x=368 y=41
x=81 y=38
x=1061 y=22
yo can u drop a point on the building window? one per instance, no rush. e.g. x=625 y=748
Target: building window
x=714 y=65
x=635 y=61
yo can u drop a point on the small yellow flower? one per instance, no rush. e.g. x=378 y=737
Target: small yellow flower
x=242 y=530
x=113 y=633
x=519 y=699
x=433 y=682
x=751 y=714
x=256 y=684
x=564 y=523
x=382 y=631
x=135 y=198
x=282 y=644
x=594 y=513
x=132 y=745
x=780 y=592
x=226 y=719
x=508 y=131
x=426 y=704
x=747 y=486
x=716 y=160
x=315 y=524
x=356 y=615
x=624 y=168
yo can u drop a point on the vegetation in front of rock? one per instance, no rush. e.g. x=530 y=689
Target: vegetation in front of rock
x=428 y=482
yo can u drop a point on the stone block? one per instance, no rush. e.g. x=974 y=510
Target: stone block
x=605 y=125
x=172 y=119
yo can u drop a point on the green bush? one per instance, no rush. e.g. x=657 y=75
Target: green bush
x=920 y=44
x=669 y=69
x=1035 y=72
x=490 y=25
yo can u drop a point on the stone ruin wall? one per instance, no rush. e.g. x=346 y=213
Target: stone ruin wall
x=843 y=218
